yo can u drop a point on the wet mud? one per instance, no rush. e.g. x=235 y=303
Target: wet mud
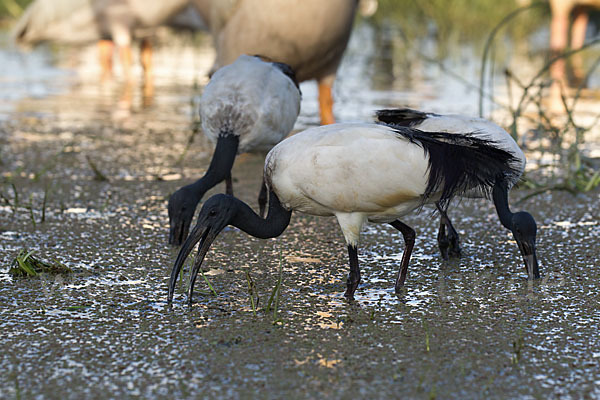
x=473 y=328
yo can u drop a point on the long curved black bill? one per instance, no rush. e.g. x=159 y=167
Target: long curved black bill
x=207 y=240
x=530 y=258
x=197 y=234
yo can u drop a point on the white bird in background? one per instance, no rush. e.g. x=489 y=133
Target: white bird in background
x=360 y=173
x=106 y=21
x=478 y=127
x=248 y=106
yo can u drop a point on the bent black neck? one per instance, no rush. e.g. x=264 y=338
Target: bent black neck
x=278 y=218
x=220 y=165
x=500 y=196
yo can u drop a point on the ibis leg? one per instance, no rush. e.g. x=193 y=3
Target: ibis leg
x=449 y=243
x=409 y=243
x=262 y=199
x=354 y=276
x=229 y=184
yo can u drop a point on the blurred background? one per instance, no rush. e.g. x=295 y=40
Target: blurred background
x=479 y=57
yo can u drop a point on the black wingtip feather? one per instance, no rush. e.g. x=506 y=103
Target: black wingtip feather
x=402 y=116
x=459 y=162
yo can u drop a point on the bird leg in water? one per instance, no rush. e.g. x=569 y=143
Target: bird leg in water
x=449 y=244
x=126 y=60
x=262 y=199
x=229 y=184
x=354 y=275
x=409 y=243
x=326 y=103
x=105 y=53
x=146 y=58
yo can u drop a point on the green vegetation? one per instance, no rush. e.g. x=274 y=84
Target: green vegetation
x=571 y=170
x=210 y=286
x=12 y=8
x=273 y=302
x=25 y=264
x=455 y=21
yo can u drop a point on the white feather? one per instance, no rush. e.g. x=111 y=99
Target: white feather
x=252 y=99
x=356 y=172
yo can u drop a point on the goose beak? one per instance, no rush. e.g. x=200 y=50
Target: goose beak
x=203 y=234
x=527 y=248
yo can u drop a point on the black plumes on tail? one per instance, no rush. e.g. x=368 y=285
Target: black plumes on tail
x=460 y=162
x=402 y=117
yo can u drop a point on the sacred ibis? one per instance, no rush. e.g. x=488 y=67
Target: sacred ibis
x=248 y=106
x=364 y=172
x=308 y=35
x=479 y=127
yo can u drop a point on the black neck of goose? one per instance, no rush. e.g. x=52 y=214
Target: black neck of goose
x=278 y=218
x=220 y=165
x=500 y=196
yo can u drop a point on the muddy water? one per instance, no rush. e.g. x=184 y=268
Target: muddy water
x=468 y=329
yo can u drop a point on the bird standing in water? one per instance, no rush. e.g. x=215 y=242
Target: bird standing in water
x=360 y=173
x=248 y=106
x=107 y=21
x=478 y=127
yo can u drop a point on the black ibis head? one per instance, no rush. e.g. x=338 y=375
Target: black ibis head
x=524 y=231
x=216 y=213
x=182 y=205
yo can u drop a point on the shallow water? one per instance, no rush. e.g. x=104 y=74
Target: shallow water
x=469 y=329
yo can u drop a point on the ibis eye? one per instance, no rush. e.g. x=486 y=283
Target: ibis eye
x=212 y=213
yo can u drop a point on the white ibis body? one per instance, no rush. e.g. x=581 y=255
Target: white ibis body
x=248 y=106
x=308 y=35
x=478 y=127
x=357 y=173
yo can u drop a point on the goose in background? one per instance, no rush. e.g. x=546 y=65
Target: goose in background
x=365 y=172
x=248 y=106
x=308 y=35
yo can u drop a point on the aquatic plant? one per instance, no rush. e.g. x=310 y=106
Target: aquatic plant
x=210 y=286
x=518 y=344
x=252 y=292
x=571 y=170
x=25 y=264
x=98 y=175
x=273 y=302
x=426 y=329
